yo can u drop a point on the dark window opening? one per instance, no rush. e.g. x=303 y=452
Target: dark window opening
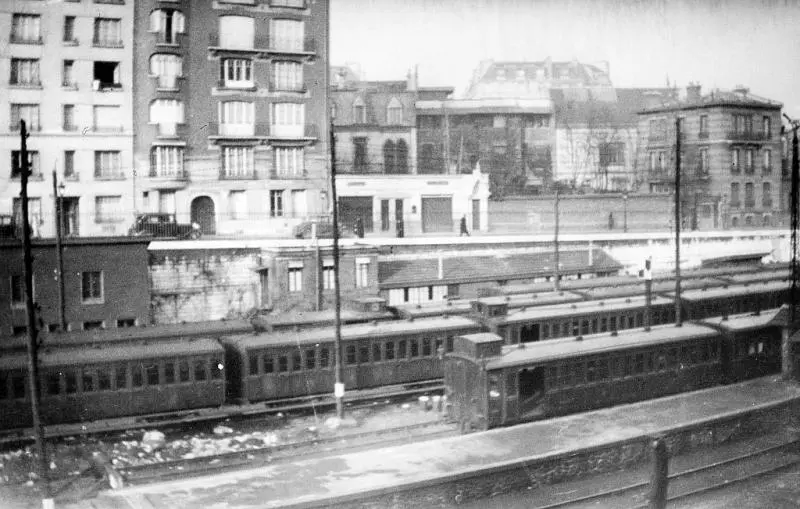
x=283 y=364
x=169 y=373
x=414 y=348
x=126 y=322
x=531 y=388
x=53 y=383
x=253 y=364
x=269 y=364
x=88 y=381
x=389 y=350
x=529 y=333
x=106 y=75
x=324 y=358
x=363 y=355
x=183 y=371
x=71 y=384
x=376 y=352
x=137 y=376
x=311 y=360
x=297 y=362
x=121 y=378
x=152 y=374
x=18 y=386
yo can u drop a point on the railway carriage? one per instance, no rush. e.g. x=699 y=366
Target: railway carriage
x=107 y=381
x=705 y=303
x=288 y=365
x=781 y=274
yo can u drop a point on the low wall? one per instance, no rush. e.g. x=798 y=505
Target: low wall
x=529 y=474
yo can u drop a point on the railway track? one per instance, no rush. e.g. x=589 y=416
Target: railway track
x=693 y=481
x=254 y=458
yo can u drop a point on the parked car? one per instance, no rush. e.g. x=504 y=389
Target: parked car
x=324 y=230
x=163 y=225
x=8 y=229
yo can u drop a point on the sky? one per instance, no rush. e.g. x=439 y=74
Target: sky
x=718 y=43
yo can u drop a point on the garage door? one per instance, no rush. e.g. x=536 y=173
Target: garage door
x=437 y=214
x=353 y=207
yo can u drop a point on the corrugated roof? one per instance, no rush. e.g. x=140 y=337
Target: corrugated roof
x=462 y=269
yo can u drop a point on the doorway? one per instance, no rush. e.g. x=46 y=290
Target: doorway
x=531 y=389
x=202 y=212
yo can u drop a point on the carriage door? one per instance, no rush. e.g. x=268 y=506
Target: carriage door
x=531 y=391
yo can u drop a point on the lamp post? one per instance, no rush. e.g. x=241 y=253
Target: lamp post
x=625 y=212
x=58 y=194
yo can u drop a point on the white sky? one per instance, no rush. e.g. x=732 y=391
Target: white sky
x=719 y=43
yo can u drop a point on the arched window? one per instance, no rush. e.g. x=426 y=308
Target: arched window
x=167 y=23
x=359 y=111
x=401 y=159
x=388 y=157
x=394 y=112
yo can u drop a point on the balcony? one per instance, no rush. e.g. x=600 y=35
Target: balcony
x=735 y=169
x=167 y=83
x=33 y=175
x=69 y=128
x=169 y=174
x=104 y=174
x=104 y=86
x=218 y=131
x=766 y=204
x=286 y=175
x=72 y=177
x=70 y=41
x=749 y=170
x=263 y=47
x=21 y=39
x=300 y=88
x=237 y=174
x=107 y=129
x=701 y=173
x=749 y=204
x=735 y=204
x=69 y=85
x=294 y=132
x=107 y=43
x=32 y=128
x=766 y=170
x=167 y=39
x=26 y=84
x=234 y=86
x=361 y=168
x=747 y=136
x=170 y=130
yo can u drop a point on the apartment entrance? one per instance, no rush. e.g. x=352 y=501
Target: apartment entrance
x=202 y=212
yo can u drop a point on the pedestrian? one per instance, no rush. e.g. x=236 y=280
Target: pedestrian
x=610 y=220
x=464 y=230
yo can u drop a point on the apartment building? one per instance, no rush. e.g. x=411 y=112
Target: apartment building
x=66 y=71
x=730 y=152
x=231 y=111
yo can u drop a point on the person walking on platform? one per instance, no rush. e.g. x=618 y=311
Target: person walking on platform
x=464 y=230
x=610 y=220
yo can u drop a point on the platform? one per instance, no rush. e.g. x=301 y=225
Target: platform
x=341 y=478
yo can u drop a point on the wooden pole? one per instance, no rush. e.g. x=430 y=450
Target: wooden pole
x=338 y=388
x=556 y=283
x=62 y=319
x=678 y=317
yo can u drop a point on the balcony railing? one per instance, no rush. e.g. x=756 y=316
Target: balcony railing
x=31 y=84
x=766 y=204
x=238 y=131
x=288 y=175
x=99 y=86
x=747 y=135
x=265 y=45
x=71 y=85
x=111 y=129
x=109 y=174
x=244 y=86
x=304 y=131
x=702 y=173
x=277 y=87
x=749 y=204
x=20 y=39
x=69 y=127
x=107 y=43
x=181 y=175
x=736 y=169
x=167 y=82
x=349 y=167
x=167 y=38
x=749 y=169
x=238 y=174
x=33 y=175
x=766 y=170
x=735 y=204
x=171 y=130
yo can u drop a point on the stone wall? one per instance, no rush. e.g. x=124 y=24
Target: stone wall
x=528 y=475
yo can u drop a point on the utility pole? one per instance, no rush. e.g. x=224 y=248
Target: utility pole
x=33 y=364
x=678 y=318
x=556 y=284
x=795 y=218
x=62 y=320
x=446 y=139
x=338 y=388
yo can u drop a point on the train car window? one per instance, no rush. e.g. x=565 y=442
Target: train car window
x=576 y=329
x=53 y=383
x=350 y=354
x=414 y=348
x=121 y=377
x=151 y=371
x=103 y=379
x=283 y=364
x=602 y=369
x=552 y=376
x=626 y=366
x=169 y=372
x=661 y=361
x=269 y=363
x=631 y=322
x=638 y=367
x=594 y=325
x=545 y=330
x=439 y=346
x=639 y=319
x=426 y=347
x=216 y=368
x=376 y=352
x=18 y=386
x=401 y=349
x=253 y=363
x=585 y=326
x=450 y=343
x=591 y=371
x=297 y=362
x=612 y=323
x=363 y=354
x=88 y=381
x=200 y=366
x=311 y=358
x=183 y=371
x=71 y=379
x=672 y=358
x=604 y=324
x=137 y=378
x=390 y=350
x=324 y=358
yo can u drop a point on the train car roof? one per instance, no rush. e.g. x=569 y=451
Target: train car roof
x=771 y=275
x=544 y=351
x=319 y=318
x=457 y=306
x=579 y=308
x=731 y=290
x=123 y=334
x=106 y=353
x=744 y=321
x=532 y=299
x=350 y=332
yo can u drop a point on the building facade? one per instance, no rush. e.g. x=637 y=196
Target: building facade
x=67 y=71
x=730 y=149
x=232 y=112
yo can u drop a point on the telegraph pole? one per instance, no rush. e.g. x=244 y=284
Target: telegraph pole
x=794 y=218
x=338 y=388
x=33 y=364
x=556 y=284
x=678 y=319
x=62 y=320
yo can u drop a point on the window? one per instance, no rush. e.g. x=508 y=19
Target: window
x=269 y=364
x=107 y=32
x=166 y=201
x=69 y=29
x=167 y=23
x=167 y=67
x=253 y=364
x=183 y=371
x=92 y=286
x=748 y=160
x=166 y=111
x=18 y=291
x=402 y=349
x=287 y=76
x=237 y=202
x=359 y=111
x=297 y=361
x=26 y=28
x=743 y=124
x=704 y=126
x=363 y=354
x=166 y=161
x=612 y=154
x=288 y=3
x=414 y=348
x=362 y=273
x=151 y=371
x=390 y=350
x=237 y=118
x=238 y=162
x=200 y=370
x=53 y=384
x=767 y=127
x=286 y=35
x=68 y=114
x=288 y=119
x=71 y=382
x=350 y=354
x=289 y=161
x=311 y=358
x=236 y=32
x=106 y=75
x=169 y=373
x=24 y=71
x=276 y=203
x=767 y=161
x=703 y=170
x=108 y=164
x=236 y=73
x=749 y=195
x=328 y=281
x=766 y=195
x=33 y=164
x=27 y=112
x=121 y=378
x=394 y=112
x=68 y=74
x=107 y=119
x=360 y=160
x=108 y=209
x=324 y=358
x=735 y=161
x=295 y=279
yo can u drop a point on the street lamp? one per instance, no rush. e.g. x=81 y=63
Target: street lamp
x=625 y=213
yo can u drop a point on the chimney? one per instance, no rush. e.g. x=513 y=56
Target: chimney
x=411 y=79
x=741 y=90
x=693 y=92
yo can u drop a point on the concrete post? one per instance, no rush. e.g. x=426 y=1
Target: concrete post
x=660 y=477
